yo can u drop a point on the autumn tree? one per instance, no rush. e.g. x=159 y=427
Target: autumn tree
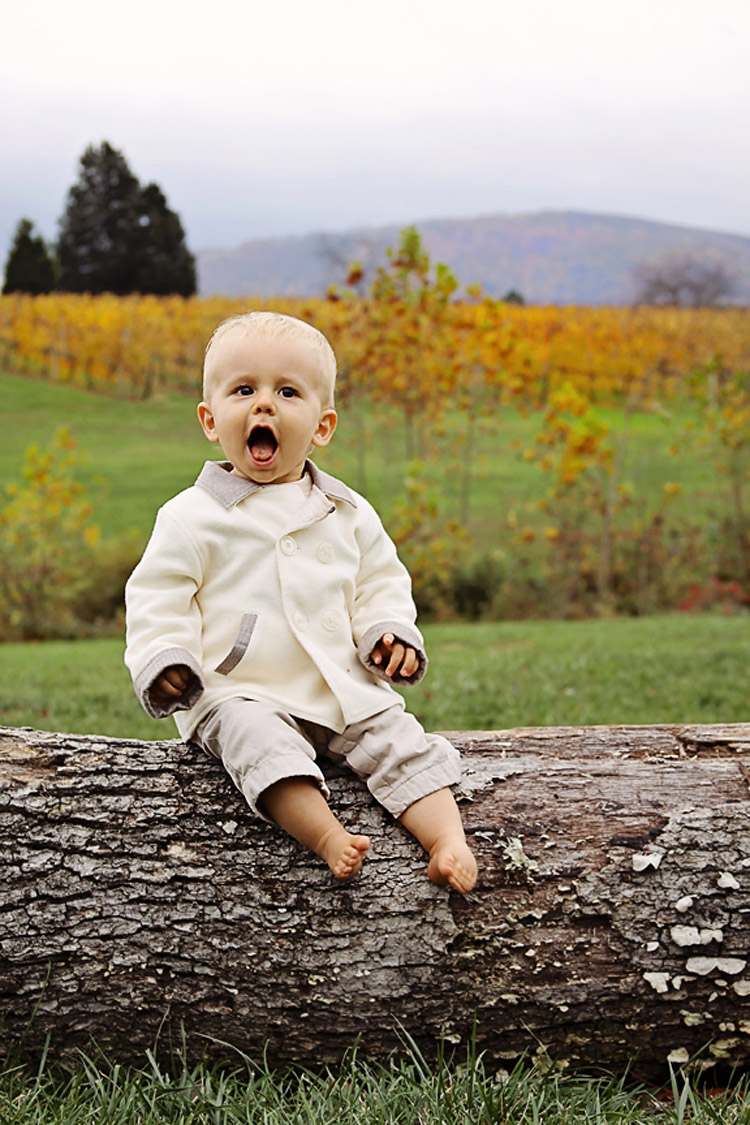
x=349 y=258
x=691 y=278
x=29 y=267
x=118 y=237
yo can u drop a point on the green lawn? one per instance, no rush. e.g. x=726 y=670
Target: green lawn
x=145 y=452
x=667 y=669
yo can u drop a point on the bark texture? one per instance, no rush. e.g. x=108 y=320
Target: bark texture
x=610 y=922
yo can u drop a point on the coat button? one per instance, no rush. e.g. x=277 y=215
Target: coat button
x=289 y=545
x=298 y=619
x=330 y=620
x=325 y=553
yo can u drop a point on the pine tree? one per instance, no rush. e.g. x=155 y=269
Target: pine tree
x=29 y=267
x=96 y=231
x=118 y=237
x=165 y=263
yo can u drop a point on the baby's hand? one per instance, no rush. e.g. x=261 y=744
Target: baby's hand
x=171 y=684
x=401 y=659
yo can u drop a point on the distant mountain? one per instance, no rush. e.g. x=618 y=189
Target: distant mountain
x=551 y=257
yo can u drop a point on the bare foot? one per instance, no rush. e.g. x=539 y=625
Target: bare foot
x=343 y=852
x=452 y=861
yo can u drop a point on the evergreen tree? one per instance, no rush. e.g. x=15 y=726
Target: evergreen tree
x=95 y=247
x=118 y=237
x=165 y=263
x=29 y=267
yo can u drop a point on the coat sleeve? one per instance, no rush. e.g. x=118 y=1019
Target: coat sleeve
x=383 y=600
x=163 y=620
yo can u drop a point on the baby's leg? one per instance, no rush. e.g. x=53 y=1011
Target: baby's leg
x=410 y=773
x=298 y=806
x=270 y=757
x=436 y=823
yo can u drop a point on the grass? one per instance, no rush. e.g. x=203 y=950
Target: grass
x=404 y=1091
x=145 y=452
x=662 y=669
x=665 y=669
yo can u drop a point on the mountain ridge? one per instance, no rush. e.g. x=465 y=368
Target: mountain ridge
x=550 y=257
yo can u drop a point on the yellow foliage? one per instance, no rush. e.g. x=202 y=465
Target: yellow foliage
x=417 y=349
x=45 y=542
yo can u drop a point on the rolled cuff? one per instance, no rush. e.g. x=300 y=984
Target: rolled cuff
x=146 y=678
x=405 y=634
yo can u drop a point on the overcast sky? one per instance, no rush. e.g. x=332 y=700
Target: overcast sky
x=292 y=116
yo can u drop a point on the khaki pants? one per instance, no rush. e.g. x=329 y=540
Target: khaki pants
x=260 y=744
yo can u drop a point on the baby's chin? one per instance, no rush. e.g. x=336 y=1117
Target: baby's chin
x=264 y=477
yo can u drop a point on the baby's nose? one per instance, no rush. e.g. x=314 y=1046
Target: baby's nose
x=263 y=402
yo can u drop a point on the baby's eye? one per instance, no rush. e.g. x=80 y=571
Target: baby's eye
x=287 y=392
x=244 y=390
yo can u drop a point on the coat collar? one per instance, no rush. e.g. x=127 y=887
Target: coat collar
x=216 y=478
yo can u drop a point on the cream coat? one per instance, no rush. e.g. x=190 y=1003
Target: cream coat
x=287 y=616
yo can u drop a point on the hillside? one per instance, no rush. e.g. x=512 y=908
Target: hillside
x=551 y=257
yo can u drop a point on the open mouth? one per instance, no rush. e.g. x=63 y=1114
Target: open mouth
x=262 y=444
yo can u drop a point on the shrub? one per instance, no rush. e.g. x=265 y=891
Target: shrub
x=56 y=578
x=100 y=603
x=429 y=546
x=47 y=541
x=475 y=585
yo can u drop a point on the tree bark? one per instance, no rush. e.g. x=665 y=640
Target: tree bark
x=609 y=924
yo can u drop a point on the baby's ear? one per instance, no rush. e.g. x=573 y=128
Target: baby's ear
x=207 y=421
x=326 y=427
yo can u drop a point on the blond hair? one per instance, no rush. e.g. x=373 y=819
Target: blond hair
x=272 y=326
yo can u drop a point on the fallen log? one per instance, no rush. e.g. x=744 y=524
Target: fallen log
x=610 y=922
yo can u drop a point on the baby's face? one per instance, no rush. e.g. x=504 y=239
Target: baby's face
x=266 y=406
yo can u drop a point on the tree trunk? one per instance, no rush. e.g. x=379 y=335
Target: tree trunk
x=609 y=923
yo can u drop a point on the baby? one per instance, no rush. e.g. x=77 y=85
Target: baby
x=271 y=615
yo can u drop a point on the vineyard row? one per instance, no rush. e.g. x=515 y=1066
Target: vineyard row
x=426 y=354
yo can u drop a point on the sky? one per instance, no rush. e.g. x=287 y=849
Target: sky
x=291 y=116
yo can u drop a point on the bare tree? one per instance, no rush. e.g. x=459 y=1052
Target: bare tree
x=691 y=278
x=349 y=257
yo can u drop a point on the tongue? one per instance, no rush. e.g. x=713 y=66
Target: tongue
x=263 y=446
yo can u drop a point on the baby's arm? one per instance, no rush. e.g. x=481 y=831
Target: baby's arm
x=163 y=619
x=383 y=614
